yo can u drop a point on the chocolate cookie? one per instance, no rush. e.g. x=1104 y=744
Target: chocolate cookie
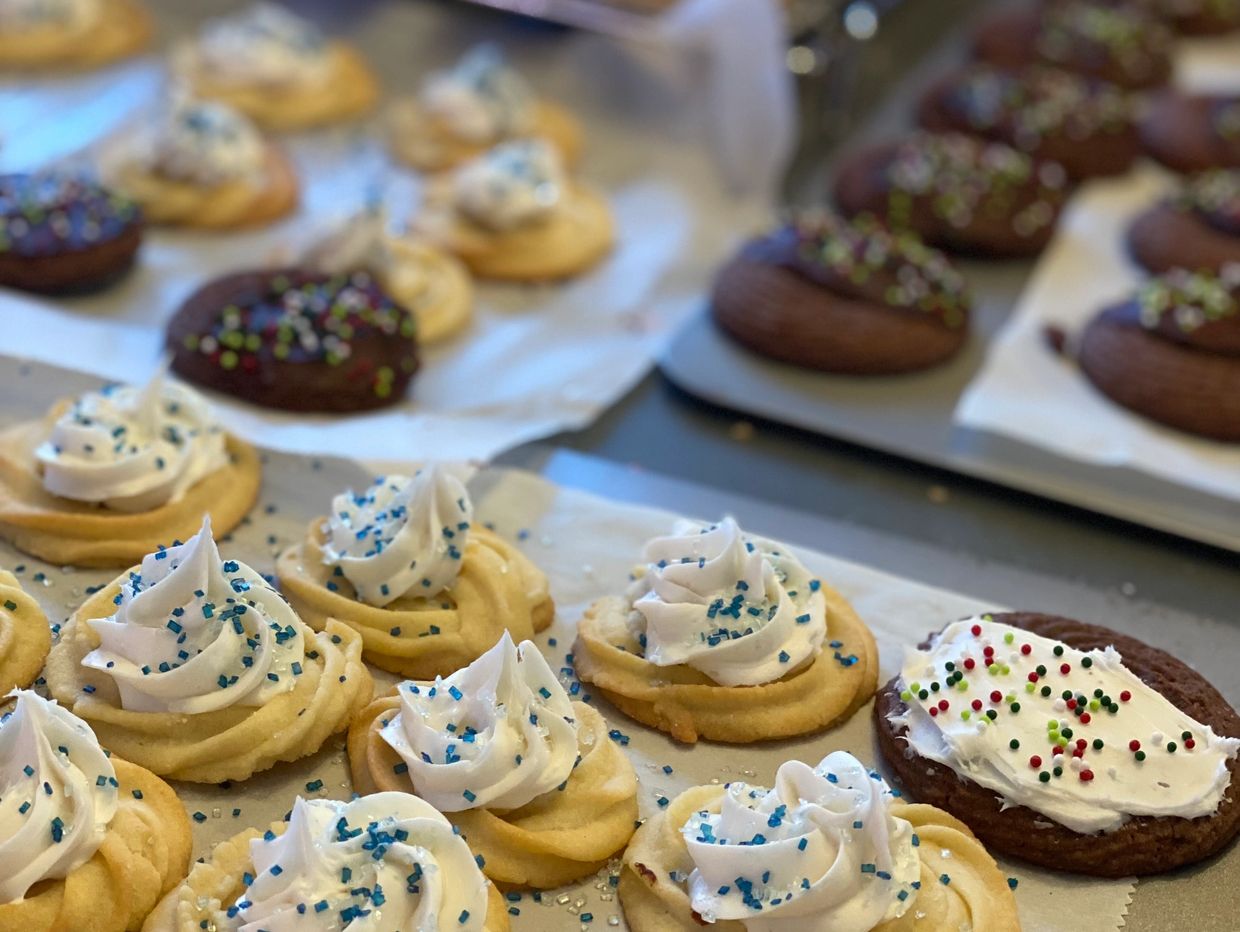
x=296 y=339
x=1122 y=45
x=1187 y=17
x=61 y=233
x=828 y=294
x=1142 y=844
x=1192 y=132
x=1045 y=112
x=1199 y=230
x=1172 y=353
x=957 y=192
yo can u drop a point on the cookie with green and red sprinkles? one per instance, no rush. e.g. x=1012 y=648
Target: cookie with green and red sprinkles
x=1192 y=133
x=958 y=193
x=64 y=233
x=843 y=296
x=1171 y=352
x=296 y=339
x=1199 y=228
x=1065 y=744
x=1123 y=45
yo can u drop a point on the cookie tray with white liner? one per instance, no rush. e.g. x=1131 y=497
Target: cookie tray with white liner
x=915 y=416
x=587 y=544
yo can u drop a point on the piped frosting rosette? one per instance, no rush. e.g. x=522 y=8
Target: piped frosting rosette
x=201 y=164
x=278 y=68
x=827 y=848
x=403 y=563
x=727 y=637
x=478 y=102
x=380 y=862
x=196 y=667
x=25 y=635
x=70 y=33
x=530 y=778
x=1065 y=744
x=106 y=477
x=86 y=841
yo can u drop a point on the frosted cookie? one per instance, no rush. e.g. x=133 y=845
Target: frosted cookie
x=1065 y=744
x=1197 y=229
x=25 y=635
x=71 y=34
x=197 y=668
x=403 y=563
x=530 y=778
x=277 y=68
x=107 y=477
x=87 y=842
x=828 y=847
x=1192 y=133
x=390 y=857
x=479 y=102
x=727 y=637
x=513 y=213
x=431 y=284
x=201 y=164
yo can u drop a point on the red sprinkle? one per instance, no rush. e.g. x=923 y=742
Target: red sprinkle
x=977 y=705
x=1071 y=703
x=1026 y=649
x=1035 y=762
x=1134 y=745
x=1190 y=743
x=1065 y=668
x=1086 y=718
x=1033 y=677
x=988 y=651
x=968 y=663
x=1086 y=776
x=1125 y=696
x=1056 y=750
x=996 y=696
x=944 y=705
x=1082 y=743
x=1078 y=752
x=976 y=629
x=933 y=712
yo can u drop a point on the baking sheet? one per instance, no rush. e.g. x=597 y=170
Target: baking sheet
x=586 y=545
x=538 y=359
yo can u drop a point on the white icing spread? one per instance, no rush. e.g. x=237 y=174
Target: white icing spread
x=201 y=142
x=512 y=185
x=481 y=98
x=266 y=44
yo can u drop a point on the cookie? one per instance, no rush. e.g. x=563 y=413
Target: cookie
x=1187 y=17
x=297 y=340
x=80 y=34
x=1199 y=230
x=25 y=635
x=958 y=193
x=1101 y=775
x=1122 y=45
x=841 y=296
x=1048 y=113
x=1172 y=352
x=62 y=233
x=1192 y=132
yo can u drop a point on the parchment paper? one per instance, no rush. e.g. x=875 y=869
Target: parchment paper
x=538 y=359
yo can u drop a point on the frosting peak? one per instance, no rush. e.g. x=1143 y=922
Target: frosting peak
x=481 y=98
x=497 y=734
x=132 y=449
x=29 y=15
x=819 y=852
x=511 y=185
x=203 y=142
x=1071 y=734
x=381 y=862
x=267 y=44
x=58 y=793
x=742 y=610
x=193 y=633
x=401 y=536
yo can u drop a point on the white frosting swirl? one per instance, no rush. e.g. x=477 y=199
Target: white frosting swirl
x=742 y=610
x=58 y=793
x=511 y=185
x=819 y=852
x=382 y=862
x=496 y=735
x=401 y=536
x=358 y=242
x=482 y=99
x=202 y=142
x=266 y=44
x=28 y=15
x=132 y=449
x=193 y=633
x=1095 y=778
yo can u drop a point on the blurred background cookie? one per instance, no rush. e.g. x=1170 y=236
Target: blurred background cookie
x=1193 y=132
x=71 y=34
x=1198 y=230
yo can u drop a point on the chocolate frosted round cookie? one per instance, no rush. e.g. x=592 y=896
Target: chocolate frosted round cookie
x=957 y=192
x=840 y=296
x=1172 y=352
x=1192 y=132
x=1199 y=230
x=62 y=233
x=1045 y=112
x=295 y=339
x=1065 y=744
x=1122 y=44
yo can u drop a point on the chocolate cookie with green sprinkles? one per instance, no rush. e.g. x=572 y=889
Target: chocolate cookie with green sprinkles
x=957 y=192
x=1192 y=133
x=1197 y=229
x=62 y=233
x=843 y=296
x=296 y=339
x=1172 y=352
